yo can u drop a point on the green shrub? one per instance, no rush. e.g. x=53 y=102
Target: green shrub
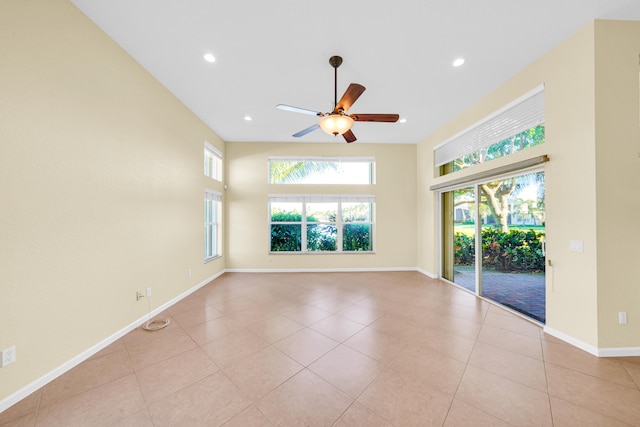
x=515 y=251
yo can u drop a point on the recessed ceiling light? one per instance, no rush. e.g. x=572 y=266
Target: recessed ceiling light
x=458 y=62
x=209 y=57
x=248 y=118
x=403 y=120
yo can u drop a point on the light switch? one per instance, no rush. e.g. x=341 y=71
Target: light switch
x=576 y=245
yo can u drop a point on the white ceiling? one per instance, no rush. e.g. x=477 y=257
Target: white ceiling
x=272 y=52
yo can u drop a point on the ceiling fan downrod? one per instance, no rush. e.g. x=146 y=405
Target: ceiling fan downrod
x=335 y=62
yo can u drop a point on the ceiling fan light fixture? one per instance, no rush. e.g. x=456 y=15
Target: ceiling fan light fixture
x=335 y=124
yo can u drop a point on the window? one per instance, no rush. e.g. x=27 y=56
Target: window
x=322 y=170
x=212 y=162
x=321 y=223
x=515 y=127
x=212 y=214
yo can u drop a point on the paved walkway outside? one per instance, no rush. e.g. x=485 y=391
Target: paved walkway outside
x=522 y=292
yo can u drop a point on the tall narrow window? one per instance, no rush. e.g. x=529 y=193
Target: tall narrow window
x=212 y=214
x=212 y=162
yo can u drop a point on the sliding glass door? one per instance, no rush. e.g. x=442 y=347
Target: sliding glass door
x=493 y=241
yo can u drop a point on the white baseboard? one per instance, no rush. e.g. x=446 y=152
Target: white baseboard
x=596 y=351
x=426 y=273
x=317 y=270
x=50 y=376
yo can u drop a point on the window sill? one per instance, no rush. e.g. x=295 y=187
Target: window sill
x=323 y=253
x=213 y=258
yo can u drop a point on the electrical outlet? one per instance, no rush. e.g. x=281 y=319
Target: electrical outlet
x=148 y=292
x=139 y=295
x=189 y=273
x=8 y=356
x=622 y=317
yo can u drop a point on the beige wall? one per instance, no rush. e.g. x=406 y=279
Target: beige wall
x=247 y=214
x=591 y=115
x=102 y=189
x=617 y=50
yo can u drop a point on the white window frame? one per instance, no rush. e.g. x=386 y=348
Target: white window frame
x=370 y=160
x=212 y=222
x=339 y=223
x=212 y=162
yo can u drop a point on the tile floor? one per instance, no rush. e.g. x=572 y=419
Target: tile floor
x=342 y=349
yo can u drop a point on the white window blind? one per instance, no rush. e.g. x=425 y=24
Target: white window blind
x=523 y=113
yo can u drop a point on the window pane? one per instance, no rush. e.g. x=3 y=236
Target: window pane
x=360 y=212
x=356 y=237
x=322 y=212
x=286 y=211
x=286 y=237
x=321 y=237
x=321 y=171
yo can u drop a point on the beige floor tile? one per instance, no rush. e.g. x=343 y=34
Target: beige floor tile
x=160 y=380
x=567 y=414
x=398 y=326
x=430 y=368
x=573 y=358
x=358 y=416
x=101 y=406
x=235 y=304
x=209 y=402
x=404 y=401
x=27 y=407
x=305 y=346
x=307 y=314
x=347 y=369
x=451 y=345
x=512 y=341
x=607 y=398
x=275 y=328
x=463 y=415
x=504 y=320
x=360 y=313
x=234 y=347
x=139 y=419
x=633 y=369
x=146 y=353
x=28 y=420
x=215 y=329
x=504 y=399
x=196 y=316
x=452 y=325
x=337 y=328
x=377 y=345
x=250 y=417
x=331 y=304
x=87 y=375
x=261 y=372
x=521 y=369
x=304 y=400
x=474 y=314
x=415 y=351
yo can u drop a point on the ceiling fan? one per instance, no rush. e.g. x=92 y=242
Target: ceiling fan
x=338 y=122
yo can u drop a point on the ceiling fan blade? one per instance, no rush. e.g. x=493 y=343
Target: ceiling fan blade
x=298 y=110
x=306 y=131
x=389 y=118
x=349 y=136
x=350 y=96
